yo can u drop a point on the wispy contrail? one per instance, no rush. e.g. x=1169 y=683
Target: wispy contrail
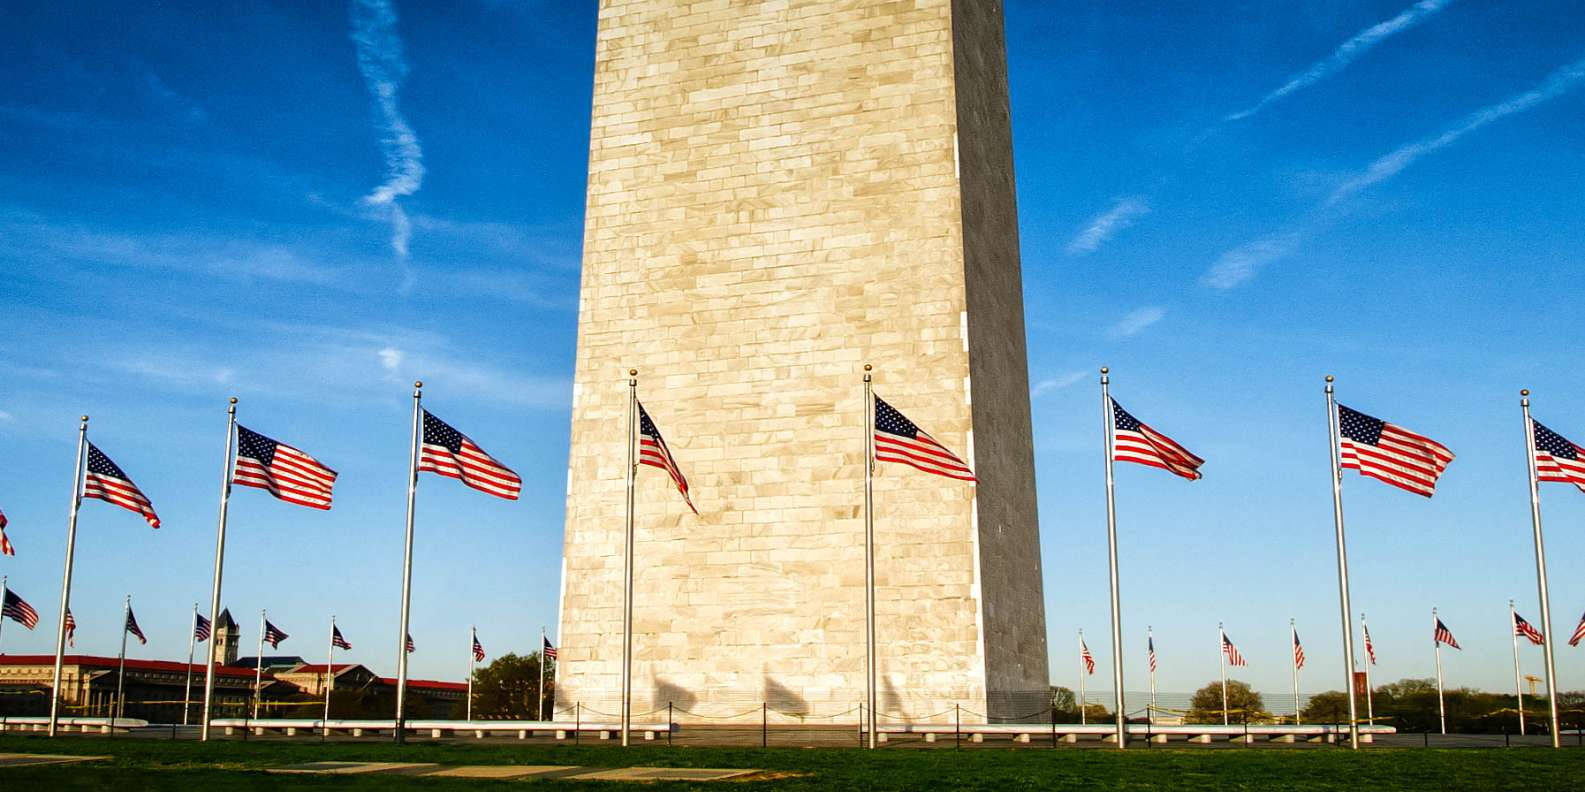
x=380 y=59
x=1107 y=224
x=1556 y=84
x=1345 y=54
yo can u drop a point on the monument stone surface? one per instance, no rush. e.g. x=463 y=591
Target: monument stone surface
x=781 y=191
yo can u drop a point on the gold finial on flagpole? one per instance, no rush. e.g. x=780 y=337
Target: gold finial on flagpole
x=1524 y=391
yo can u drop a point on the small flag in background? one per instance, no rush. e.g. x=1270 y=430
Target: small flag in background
x=1233 y=657
x=71 y=629
x=286 y=472
x=104 y=481
x=1525 y=630
x=1133 y=441
x=410 y=646
x=1390 y=453
x=1370 y=648
x=653 y=451
x=1557 y=459
x=548 y=651
x=1579 y=633
x=1298 y=651
x=448 y=452
x=478 y=648
x=336 y=640
x=1084 y=655
x=200 y=629
x=132 y=627
x=898 y=439
x=273 y=635
x=1150 y=643
x=5 y=544
x=1443 y=635
x=18 y=610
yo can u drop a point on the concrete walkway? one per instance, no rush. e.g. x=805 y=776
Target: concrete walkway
x=517 y=771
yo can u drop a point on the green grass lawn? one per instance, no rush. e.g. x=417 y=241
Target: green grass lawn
x=154 y=764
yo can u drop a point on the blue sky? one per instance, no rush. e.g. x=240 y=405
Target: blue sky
x=194 y=206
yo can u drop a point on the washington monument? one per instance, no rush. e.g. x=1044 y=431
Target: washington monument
x=781 y=191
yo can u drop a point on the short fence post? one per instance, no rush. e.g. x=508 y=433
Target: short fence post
x=764 y=724
x=1150 y=722
x=861 y=725
x=1053 y=709
x=1505 y=742
x=577 y=722
x=957 y=725
x=670 y=721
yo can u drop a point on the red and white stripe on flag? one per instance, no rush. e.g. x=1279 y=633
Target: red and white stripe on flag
x=653 y=451
x=1089 y=659
x=1558 y=459
x=1133 y=441
x=1579 y=633
x=5 y=544
x=1392 y=454
x=448 y=452
x=104 y=481
x=287 y=473
x=1370 y=648
x=1233 y=657
x=900 y=440
x=1298 y=652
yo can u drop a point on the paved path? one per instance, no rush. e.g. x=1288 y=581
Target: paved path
x=517 y=771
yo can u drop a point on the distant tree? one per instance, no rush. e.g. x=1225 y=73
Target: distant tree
x=1064 y=705
x=1242 y=702
x=508 y=689
x=1328 y=707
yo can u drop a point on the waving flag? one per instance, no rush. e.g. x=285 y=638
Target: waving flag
x=1524 y=630
x=1370 y=648
x=448 y=452
x=1579 y=633
x=1086 y=657
x=336 y=640
x=273 y=635
x=1557 y=459
x=18 y=610
x=1233 y=657
x=1133 y=441
x=71 y=629
x=653 y=451
x=1150 y=643
x=200 y=629
x=478 y=648
x=548 y=651
x=1298 y=651
x=286 y=472
x=104 y=481
x=5 y=544
x=898 y=439
x=1443 y=635
x=410 y=646
x=1389 y=453
x=132 y=627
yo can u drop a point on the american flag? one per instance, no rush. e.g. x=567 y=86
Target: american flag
x=104 y=481
x=273 y=635
x=200 y=628
x=1579 y=633
x=448 y=452
x=336 y=640
x=1298 y=651
x=1150 y=643
x=549 y=652
x=1443 y=635
x=1527 y=631
x=132 y=627
x=286 y=472
x=1391 y=453
x=898 y=439
x=653 y=451
x=1084 y=655
x=1557 y=459
x=1370 y=648
x=71 y=629
x=410 y=646
x=1133 y=441
x=478 y=648
x=18 y=610
x=1233 y=657
x=5 y=544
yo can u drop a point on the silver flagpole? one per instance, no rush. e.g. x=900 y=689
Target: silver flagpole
x=1518 y=691
x=1342 y=564
x=220 y=559
x=473 y=635
x=1540 y=571
x=258 y=668
x=539 y=713
x=871 y=722
x=1441 y=706
x=1370 y=691
x=121 y=666
x=627 y=559
x=330 y=674
x=407 y=564
x=1150 y=640
x=187 y=692
x=1082 y=675
x=1221 y=662
x=1294 y=651
x=1111 y=547
x=66 y=576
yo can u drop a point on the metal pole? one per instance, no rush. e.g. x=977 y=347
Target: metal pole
x=627 y=557
x=1540 y=573
x=1342 y=565
x=1111 y=548
x=1292 y=628
x=1082 y=720
x=869 y=555
x=220 y=557
x=407 y=563
x=192 y=642
x=330 y=675
x=1441 y=705
x=473 y=637
x=3 y=589
x=66 y=576
x=540 y=709
x=1221 y=662
x=1370 y=691
x=1518 y=690
x=1150 y=640
x=258 y=668
x=121 y=669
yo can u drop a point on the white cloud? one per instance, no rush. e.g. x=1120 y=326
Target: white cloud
x=1051 y=384
x=1108 y=224
x=383 y=66
x=1345 y=54
x=1556 y=84
x=1243 y=262
x=1137 y=321
x=390 y=359
x=5 y=416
